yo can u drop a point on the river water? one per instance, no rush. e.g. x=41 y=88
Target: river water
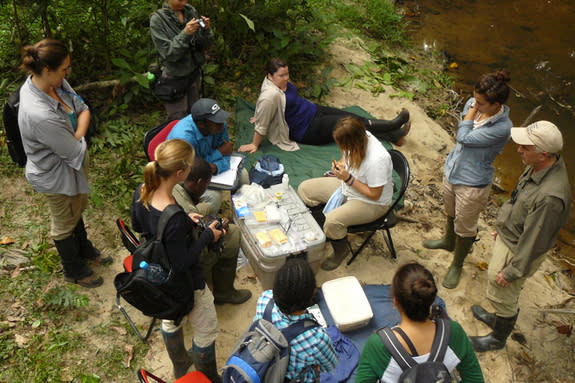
x=533 y=39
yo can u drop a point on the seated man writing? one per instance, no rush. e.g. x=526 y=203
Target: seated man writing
x=219 y=269
x=205 y=129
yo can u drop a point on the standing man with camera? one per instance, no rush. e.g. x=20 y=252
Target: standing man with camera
x=180 y=36
x=527 y=227
x=219 y=260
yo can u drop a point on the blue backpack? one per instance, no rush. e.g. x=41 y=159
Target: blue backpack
x=263 y=351
x=267 y=171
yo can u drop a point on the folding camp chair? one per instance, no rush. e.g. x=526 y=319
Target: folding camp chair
x=156 y=136
x=131 y=243
x=190 y=377
x=401 y=166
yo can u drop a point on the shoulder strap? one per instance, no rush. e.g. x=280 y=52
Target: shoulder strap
x=167 y=214
x=406 y=340
x=441 y=340
x=293 y=330
x=268 y=310
x=398 y=353
x=162 y=15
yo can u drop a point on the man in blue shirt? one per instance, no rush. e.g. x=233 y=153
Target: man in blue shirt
x=205 y=129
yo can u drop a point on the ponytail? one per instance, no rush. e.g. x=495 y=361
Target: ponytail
x=171 y=156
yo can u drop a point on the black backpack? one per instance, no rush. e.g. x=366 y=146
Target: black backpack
x=13 y=137
x=150 y=297
x=431 y=371
x=267 y=171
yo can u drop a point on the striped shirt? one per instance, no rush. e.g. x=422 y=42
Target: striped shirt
x=311 y=348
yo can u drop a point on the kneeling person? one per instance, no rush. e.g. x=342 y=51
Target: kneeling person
x=219 y=269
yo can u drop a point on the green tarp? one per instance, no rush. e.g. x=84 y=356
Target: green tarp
x=308 y=162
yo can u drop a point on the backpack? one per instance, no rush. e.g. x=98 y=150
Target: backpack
x=263 y=351
x=13 y=137
x=151 y=297
x=431 y=371
x=267 y=171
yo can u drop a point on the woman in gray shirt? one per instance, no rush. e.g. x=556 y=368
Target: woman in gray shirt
x=53 y=120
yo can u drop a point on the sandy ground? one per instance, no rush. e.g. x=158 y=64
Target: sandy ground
x=536 y=351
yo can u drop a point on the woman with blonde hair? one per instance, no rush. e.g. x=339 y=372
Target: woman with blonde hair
x=362 y=180
x=174 y=159
x=53 y=121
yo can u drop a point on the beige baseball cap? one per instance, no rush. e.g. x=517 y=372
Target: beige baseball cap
x=543 y=134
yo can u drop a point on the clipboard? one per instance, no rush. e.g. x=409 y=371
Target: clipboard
x=230 y=179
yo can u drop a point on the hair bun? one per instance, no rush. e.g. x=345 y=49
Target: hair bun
x=502 y=75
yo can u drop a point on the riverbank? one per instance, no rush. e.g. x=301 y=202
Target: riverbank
x=536 y=350
x=98 y=339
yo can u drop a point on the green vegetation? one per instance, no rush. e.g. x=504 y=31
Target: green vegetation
x=39 y=336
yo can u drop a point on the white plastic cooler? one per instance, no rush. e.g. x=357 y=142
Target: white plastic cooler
x=347 y=303
x=296 y=222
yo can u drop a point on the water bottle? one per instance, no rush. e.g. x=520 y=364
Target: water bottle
x=154 y=272
x=285 y=182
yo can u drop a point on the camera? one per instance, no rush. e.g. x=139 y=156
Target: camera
x=207 y=220
x=204 y=225
x=201 y=22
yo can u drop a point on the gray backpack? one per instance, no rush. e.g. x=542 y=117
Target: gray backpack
x=433 y=370
x=262 y=354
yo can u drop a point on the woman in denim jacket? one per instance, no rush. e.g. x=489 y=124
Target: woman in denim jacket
x=481 y=136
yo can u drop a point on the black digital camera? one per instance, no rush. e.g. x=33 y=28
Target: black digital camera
x=207 y=220
x=204 y=225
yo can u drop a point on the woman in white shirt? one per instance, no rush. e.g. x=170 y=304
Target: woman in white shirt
x=364 y=176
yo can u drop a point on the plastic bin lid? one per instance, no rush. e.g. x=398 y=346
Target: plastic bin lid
x=346 y=301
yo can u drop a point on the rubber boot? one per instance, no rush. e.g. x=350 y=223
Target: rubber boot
x=462 y=248
x=176 y=348
x=496 y=339
x=392 y=130
x=205 y=361
x=224 y=290
x=87 y=249
x=340 y=251
x=447 y=242
x=483 y=315
x=75 y=268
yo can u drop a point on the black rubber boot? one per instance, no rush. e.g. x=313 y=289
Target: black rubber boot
x=87 y=249
x=75 y=268
x=447 y=242
x=462 y=247
x=496 y=339
x=224 y=290
x=340 y=251
x=392 y=130
x=176 y=348
x=205 y=361
x=483 y=315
